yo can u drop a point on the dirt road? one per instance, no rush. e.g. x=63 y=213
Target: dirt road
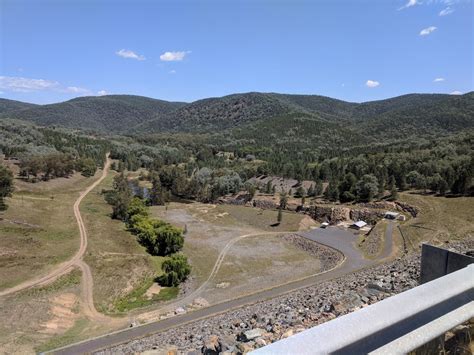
x=75 y=261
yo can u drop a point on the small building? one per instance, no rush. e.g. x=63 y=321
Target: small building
x=391 y=215
x=324 y=225
x=358 y=225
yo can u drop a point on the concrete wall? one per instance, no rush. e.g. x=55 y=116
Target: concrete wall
x=437 y=262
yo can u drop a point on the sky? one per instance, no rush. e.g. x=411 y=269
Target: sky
x=354 y=50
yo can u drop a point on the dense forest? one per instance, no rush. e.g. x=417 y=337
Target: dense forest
x=211 y=147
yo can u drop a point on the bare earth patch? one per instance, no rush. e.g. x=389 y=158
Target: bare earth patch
x=62 y=312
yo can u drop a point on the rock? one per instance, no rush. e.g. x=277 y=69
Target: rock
x=253 y=333
x=212 y=346
x=287 y=334
x=179 y=310
x=260 y=342
x=245 y=347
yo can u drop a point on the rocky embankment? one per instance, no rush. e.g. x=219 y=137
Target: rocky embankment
x=370 y=212
x=328 y=257
x=253 y=326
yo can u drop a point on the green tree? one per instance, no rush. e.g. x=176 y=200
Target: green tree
x=157 y=196
x=332 y=191
x=121 y=198
x=366 y=188
x=6 y=186
x=175 y=270
x=268 y=187
x=393 y=189
x=87 y=167
x=283 y=200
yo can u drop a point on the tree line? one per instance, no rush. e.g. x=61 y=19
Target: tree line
x=158 y=237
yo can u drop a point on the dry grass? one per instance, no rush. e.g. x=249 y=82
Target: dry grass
x=440 y=220
x=119 y=265
x=39 y=229
x=35 y=316
x=260 y=262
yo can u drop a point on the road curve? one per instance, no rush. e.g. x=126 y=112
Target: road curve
x=340 y=239
x=66 y=266
x=192 y=296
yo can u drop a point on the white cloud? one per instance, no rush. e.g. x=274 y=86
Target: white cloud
x=446 y=11
x=126 y=53
x=438 y=80
x=427 y=31
x=372 y=83
x=456 y=92
x=102 y=92
x=173 y=56
x=173 y=71
x=19 y=84
x=77 y=90
x=410 y=3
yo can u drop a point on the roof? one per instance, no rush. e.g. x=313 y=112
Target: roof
x=360 y=224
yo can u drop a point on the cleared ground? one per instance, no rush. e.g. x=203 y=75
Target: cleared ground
x=258 y=263
x=252 y=263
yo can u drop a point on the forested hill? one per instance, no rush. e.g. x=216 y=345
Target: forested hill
x=111 y=113
x=7 y=106
x=398 y=117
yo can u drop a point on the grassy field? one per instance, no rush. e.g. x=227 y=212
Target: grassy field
x=38 y=230
x=33 y=317
x=265 y=220
x=441 y=219
x=121 y=268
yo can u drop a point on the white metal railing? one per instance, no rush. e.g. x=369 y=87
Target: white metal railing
x=396 y=325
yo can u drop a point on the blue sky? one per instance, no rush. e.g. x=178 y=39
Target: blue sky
x=363 y=50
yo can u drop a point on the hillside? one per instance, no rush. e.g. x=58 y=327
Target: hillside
x=112 y=113
x=313 y=116
x=13 y=105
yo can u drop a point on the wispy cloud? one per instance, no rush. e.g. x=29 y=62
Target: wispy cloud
x=438 y=80
x=428 y=30
x=20 y=84
x=410 y=3
x=102 y=93
x=173 y=71
x=77 y=90
x=456 y=92
x=126 y=53
x=173 y=56
x=372 y=83
x=446 y=11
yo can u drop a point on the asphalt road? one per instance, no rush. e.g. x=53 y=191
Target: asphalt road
x=343 y=240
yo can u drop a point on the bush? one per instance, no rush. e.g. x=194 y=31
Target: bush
x=176 y=269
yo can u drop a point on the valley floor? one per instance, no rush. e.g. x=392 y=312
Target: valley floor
x=234 y=251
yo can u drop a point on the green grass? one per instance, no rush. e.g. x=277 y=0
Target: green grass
x=71 y=279
x=137 y=299
x=121 y=267
x=70 y=336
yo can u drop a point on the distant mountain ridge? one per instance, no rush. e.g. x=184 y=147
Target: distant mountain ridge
x=111 y=113
x=123 y=114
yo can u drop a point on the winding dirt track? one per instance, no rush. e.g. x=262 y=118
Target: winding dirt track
x=196 y=293
x=75 y=261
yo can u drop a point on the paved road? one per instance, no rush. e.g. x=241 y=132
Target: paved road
x=343 y=240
